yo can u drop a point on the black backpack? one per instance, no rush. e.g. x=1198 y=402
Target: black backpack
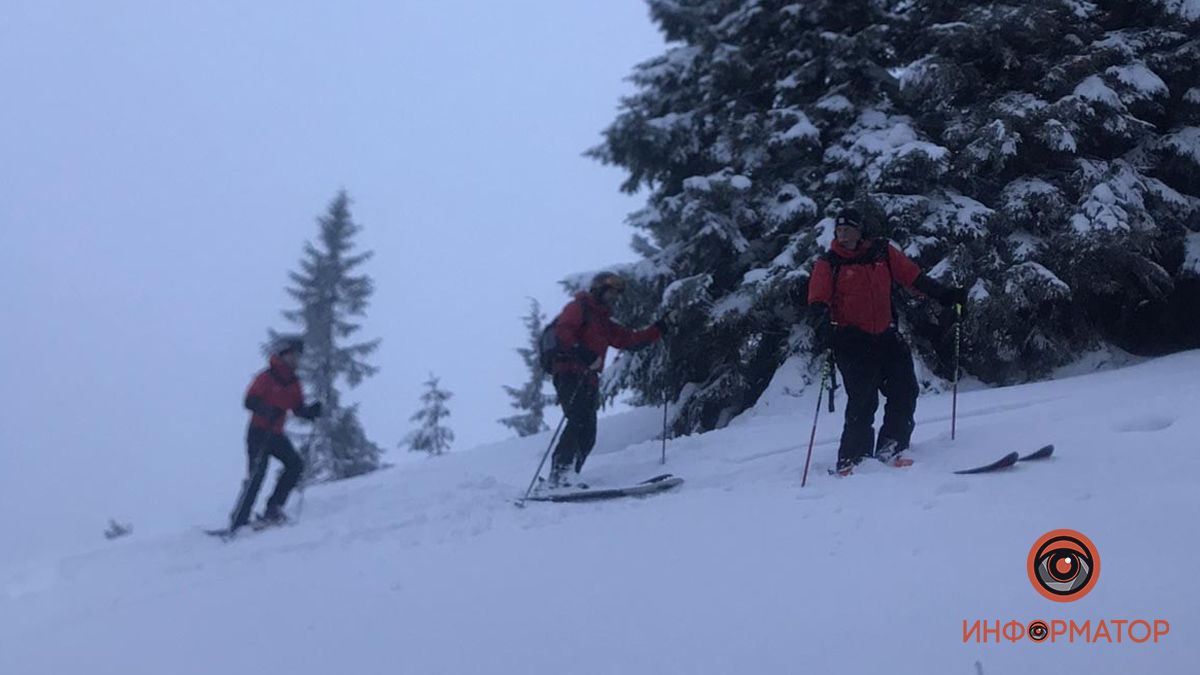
x=548 y=347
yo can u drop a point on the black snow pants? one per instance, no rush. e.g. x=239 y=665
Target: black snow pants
x=871 y=364
x=261 y=445
x=578 y=394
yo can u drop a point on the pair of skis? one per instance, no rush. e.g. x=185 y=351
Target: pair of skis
x=1010 y=460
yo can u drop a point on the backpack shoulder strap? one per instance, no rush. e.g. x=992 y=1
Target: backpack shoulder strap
x=878 y=251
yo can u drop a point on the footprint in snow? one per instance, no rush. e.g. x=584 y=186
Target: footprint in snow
x=1145 y=423
x=953 y=487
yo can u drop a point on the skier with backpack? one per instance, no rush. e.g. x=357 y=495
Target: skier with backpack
x=572 y=350
x=273 y=393
x=850 y=296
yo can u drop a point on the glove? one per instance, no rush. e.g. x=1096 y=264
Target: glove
x=952 y=297
x=583 y=355
x=311 y=411
x=666 y=324
x=822 y=329
x=955 y=295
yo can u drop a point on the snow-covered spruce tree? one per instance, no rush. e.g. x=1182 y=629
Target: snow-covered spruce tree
x=530 y=398
x=728 y=132
x=951 y=124
x=431 y=437
x=1068 y=190
x=331 y=296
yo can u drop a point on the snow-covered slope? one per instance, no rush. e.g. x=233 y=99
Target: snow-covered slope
x=428 y=568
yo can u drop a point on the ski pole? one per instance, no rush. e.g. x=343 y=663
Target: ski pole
x=666 y=363
x=833 y=384
x=305 y=454
x=533 y=481
x=954 y=396
x=813 y=435
x=664 y=434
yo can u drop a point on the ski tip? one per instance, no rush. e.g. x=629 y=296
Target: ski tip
x=1041 y=453
x=1003 y=463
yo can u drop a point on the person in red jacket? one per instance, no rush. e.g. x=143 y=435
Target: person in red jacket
x=850 y=293
x=273 y=393
x=584 y=331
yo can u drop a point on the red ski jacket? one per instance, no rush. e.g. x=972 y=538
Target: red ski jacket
x=275 y=387
x=857 y=285
x=585 y=330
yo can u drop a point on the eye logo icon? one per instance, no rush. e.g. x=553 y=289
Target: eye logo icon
x=1063 y=565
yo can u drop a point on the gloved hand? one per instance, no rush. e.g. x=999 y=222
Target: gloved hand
x=311 y=411
x=667 y=323
x=583 y=355
x=822 y=328
x=954 y=296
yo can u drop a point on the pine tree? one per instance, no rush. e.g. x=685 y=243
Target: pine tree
x=431 y=437
x=331 y=297
x=530 y=398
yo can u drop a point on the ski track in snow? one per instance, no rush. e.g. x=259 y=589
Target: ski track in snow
x=429 y=568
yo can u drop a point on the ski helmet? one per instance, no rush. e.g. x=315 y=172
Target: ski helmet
x=289 y=343
x=606 y=280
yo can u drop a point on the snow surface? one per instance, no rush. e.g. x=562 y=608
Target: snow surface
x=1186 y=142
x=1191 y=261
x=1093 y=88
x=429 y=568
x=1188 y=9
x=1143 y=80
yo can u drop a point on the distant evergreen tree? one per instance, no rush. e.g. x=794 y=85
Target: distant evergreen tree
x=1044 y=153
x=432 y=437
x=531 y=397
x=331 y=296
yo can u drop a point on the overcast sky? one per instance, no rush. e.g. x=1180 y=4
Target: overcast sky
x=163 y=164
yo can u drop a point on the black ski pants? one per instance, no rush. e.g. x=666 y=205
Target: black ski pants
x=871 y=364
x=261 y=445
x=579 y=396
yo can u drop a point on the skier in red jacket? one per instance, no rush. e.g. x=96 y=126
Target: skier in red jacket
x=851 y=295
x=585 y=330
x=274 y=391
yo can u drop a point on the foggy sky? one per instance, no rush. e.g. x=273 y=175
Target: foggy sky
x=164 y=163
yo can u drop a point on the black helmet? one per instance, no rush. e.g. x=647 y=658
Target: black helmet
x=606 y=280
x=289 y=343
x=850 y=217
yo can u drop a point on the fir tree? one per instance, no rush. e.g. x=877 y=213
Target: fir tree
x=431 y=437
x=1068 y=191
x=1042 y=153
x=728 y=132
x=331 y=297
x=530 y=398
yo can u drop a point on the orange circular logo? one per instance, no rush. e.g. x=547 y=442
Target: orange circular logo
x=1063 y=565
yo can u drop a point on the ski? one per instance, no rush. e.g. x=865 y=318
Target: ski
x=665 y=481
x=256 y=525
x=222 y=533
x=1041 y=453
x=1002 y=463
